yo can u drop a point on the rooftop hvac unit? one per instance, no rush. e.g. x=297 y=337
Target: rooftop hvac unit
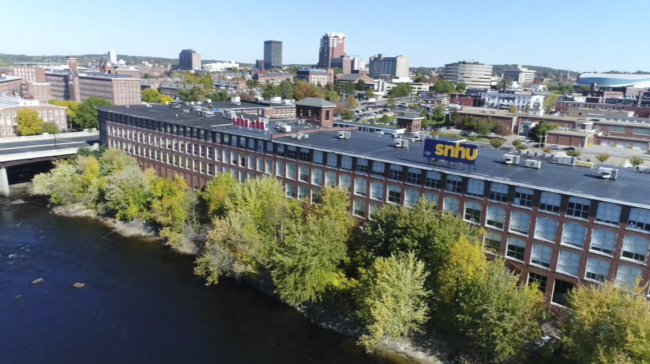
x=401 y=143
x=301 y=121
x=208 y=101
x=305 y=136
x=566 y=160
x=280 y=125
x=285 y=128
x=533 y=163
x=511 y=159
x=642 y=169
x=607 y=173
x=344 y=134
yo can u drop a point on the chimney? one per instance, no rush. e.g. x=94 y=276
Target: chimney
x=72 y=63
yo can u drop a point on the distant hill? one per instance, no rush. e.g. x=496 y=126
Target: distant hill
x=547 y=72
x=95 y=58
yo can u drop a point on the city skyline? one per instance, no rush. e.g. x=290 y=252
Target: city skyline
x=511 y=33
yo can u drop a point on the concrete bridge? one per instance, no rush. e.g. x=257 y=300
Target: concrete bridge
x=39 y=148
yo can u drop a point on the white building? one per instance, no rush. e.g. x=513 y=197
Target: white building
x=521 y=75
x=220 y=66
x=475 y=75
x=394 y=66
x=504 y=100
x=112 y=56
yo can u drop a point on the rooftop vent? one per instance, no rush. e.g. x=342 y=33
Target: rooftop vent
x=566 y=160
x=607 y=173
x=345 y=134
x=401 y=143
x=511 y=159
x=642 y=169
x=533 y=163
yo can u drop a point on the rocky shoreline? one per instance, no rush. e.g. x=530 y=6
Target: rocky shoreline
x=395 y=351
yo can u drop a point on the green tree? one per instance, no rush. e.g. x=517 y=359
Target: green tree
x=462 y=270
x=370 y=93
x=419 y=78
x=71 y=108
x=496 y=143
x=538 y=132
x=128 y=193
x=636 y=161
x=501 y=317
x=219 y=95
x=61 y=184
x=461 y=87
x=387 y=119
x=213 y=196
x=401 y=90
x=393 y=298
x=469 y=122
x=270 y=90
x=50 y=128
x=603 y=157
x=573 y=153
x=438 y=114
x=361 y=85
x=164 y=99
x=483 y=127
x=115 y=160
x=527 y=109
x=87 y=113
x=549 y=102
x=352 y=102
x=442 y=86
x=390 y=103
x=29 y=122
x=348 y=115
x=286 y=89
x=516 y=143
x=607 y=324
x=338 y=71
x=150 y=95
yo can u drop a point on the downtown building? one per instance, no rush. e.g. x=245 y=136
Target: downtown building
x=381 y=65
x=189 y=60
x=558 y=225
x=332 y=45
x=473 y=74
x=272 y=54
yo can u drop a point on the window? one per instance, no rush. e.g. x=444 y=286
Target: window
x=260 y=164
x=516 y=249
x=608 y=213
x=233 y=158
x=395 y=173
x=498 y=192
x=304 y=174
x=292 y=152
x=362 y=165
x=303 y=192
x=639 y=219
x=616 y=129
x=568 y=263
x=432 y=179
x=597 y=269
x=279 y=168
x=496 y=217
x=524 y=197
x=640 y=131
x=519 y=222
x=472 y=212
x=411 y=197
x=360 y=187
x=304 y=155
x=545 y=229
x=626 y=277
x=377 y=191
x=635 y=248
x=454 y=183
x=394 y=194
x=359 y=208
x=291 y=171
x=251 y=162
x=539 y=279
x=431 y=197
x=475 y=187
x=492 y=243
x=541 y=255
x=574 y=234
x=578 y=207
x=330 y=178
x=317 y=157
x=414 y=176
x=345 y=182
x=317 y=177
x=346 y=163
x=332 y=160
x=269 y=148
x=451 y=204
x=550 y=202
x=268 y=168
x=603 y=241
x=378 y=169
x=280 y=150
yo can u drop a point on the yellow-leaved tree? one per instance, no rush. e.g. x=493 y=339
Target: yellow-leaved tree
x=29 y=123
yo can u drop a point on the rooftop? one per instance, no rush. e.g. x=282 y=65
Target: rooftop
x=315 y=102
x=9 y=78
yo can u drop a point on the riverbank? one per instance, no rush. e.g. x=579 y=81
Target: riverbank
x=395 y=351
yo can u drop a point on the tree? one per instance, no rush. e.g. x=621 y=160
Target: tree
x=401 y=90
x=462 y=270
x=461 y=87
x=513 y=109
x=549 y=102
x=443 y=86
x=270 y=91
x=50 y=128
x=219 y=95
x=390 y=103
x=71 y=108
x=547 y=150
x=338 y=71
x=527 y=109
x=500 y=129
x=348 y=115
x=164 y=99
x=150 y=95
x=538 y=132
x=438 y=114
x=370 y=92
x=352 y=102
x=387 y=119
x=501 y=317
x=361 y=85
x=393 y=298
x=213 y=196
x=286 y=89
x=61 y=184
x=483 y=127
x=128 y=193
x=29 y=122
x=573 y=153
x=303 y=89
x=636 y=161
x=87 y=113
x=469 y=122
x=496 y=143
x=607 y=324
x=516 y=142
x=419 y=78
x=602 y=158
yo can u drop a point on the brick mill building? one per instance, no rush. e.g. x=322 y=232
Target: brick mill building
x=10 y=106
x=558 y=225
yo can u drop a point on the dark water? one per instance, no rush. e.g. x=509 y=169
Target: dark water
x=141 y=303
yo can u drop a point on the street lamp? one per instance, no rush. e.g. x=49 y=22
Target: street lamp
x=55 y=146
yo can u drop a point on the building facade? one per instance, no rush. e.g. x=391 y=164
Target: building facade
x=10 y=85
x=522 y=101
x=264 y=77
x=381 y=65
x=29 y=73
x=521 y=75
x=189 y=60
x=316 y=76
x=10 y=106
x=553 y=237
x=332 y=45
x=272 y=54
x=475 y=75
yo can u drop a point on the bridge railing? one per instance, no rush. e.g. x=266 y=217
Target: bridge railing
x=49 y=136
x=37 y=154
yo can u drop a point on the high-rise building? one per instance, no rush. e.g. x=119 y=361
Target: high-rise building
x=332 y=45
x=521 y=75
x=392 y=66
x=473 y=74
x=112 y=56
x=272 y=54
x=189 y=60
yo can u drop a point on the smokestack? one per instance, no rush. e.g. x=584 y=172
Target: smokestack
x=72 y=63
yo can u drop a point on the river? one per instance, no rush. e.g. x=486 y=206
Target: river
x=141 y=303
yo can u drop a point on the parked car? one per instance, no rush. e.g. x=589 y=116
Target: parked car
x=555 y=147
x=568 y=149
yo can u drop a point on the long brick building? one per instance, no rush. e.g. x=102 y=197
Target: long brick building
x=558 y=225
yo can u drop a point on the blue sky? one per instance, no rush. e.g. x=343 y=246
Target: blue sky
x=597 y=36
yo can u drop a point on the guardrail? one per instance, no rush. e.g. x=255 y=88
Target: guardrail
x=37 y=154
x=49 y=136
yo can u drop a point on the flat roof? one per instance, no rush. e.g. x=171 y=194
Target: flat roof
x=486 y=112
x=572 y=133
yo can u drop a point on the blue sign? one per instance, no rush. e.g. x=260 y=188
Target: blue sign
x=450 y=151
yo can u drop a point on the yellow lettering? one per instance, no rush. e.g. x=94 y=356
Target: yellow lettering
x=473 y=153
x=448 y=149
x=440 y=149
x=456 y=151
x=461 y=151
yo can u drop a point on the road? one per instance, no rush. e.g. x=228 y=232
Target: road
x=47 y=144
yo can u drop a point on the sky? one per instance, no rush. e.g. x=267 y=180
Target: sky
x=597 y=35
